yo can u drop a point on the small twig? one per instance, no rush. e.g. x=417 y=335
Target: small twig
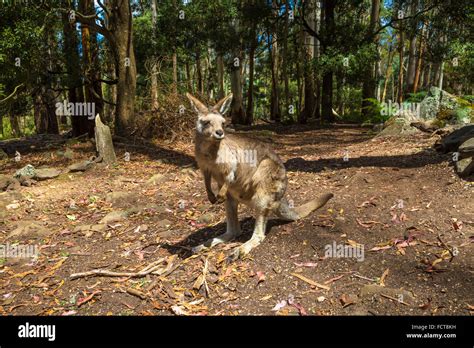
x=137 y=293
x=362 y=277
x=309 y=281
x=395 y=299
x=447 y=248
x=154 y=266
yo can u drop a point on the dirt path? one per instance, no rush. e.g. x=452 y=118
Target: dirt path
x=398 y=199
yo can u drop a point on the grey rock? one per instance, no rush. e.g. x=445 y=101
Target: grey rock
x=467 y=147
x=434 y=101
x=104 y=143
x=29 y=230
x=80 y=166
x=465 y=166
x=453 y=140
x=117 y=215
x=156 y=179
x=120 y=197
x=6 y=181
x=46 y=173
x=27 y=171
x=399 y=294
x=3 y=155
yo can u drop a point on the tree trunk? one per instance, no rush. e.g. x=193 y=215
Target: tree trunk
x=275 y=98
x=189 y=79
x=74 y=79
x=308 y=55
x=285 y=63
x=370 y=81
x=175 y=57
x=327 y=92
x=93 y=88
x=200 y=82
x=411 y=68
x=126 y=67
x=175 y=72
x=253 y=46
x=220 y=77
x=14 y=125
x=388 y=72
x=154 y=73
x=419 y=61
x=400 y=72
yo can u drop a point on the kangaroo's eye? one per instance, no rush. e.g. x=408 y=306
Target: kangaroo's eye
x=206 y=123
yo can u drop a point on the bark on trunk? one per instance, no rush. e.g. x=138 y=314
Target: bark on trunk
x=220 y=77
x=327 y=92
x=370 y=81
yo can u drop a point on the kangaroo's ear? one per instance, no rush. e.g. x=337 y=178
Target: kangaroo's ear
x=223 y=105
x=199 y=107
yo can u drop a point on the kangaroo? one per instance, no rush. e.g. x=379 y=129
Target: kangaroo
x=246 y=171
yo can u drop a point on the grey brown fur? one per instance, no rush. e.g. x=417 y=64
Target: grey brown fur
x=246 y=171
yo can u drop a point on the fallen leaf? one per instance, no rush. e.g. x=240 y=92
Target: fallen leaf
x=346 y=300
x=178 y=310
x=305 y=264
x=81 y=301
x=260 y=277
x=280 y=305
x=377 y=248
x=309 y=281
x=384 y=275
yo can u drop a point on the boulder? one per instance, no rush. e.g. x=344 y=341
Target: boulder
x=8 y=183
x=399 y=294
x=3 y=155
x=398 y=126
x=465 y=166
x=120 y=197
x=104 y=143
x=156 y=179
x=80 y=166
x=117 y=215
x=27 y=171
x=452 y=141
x=46 y=173
x=29 y=230
x=436 y=100
x=467 y=148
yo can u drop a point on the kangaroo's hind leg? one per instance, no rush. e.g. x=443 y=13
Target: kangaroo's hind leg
x=233 y=227
x=257 y=237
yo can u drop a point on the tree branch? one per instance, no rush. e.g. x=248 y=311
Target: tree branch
x=12 y=94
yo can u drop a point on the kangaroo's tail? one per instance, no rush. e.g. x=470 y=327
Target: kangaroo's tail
x=292 y=214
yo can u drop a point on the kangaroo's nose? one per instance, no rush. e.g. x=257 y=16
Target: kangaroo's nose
x=219 y=133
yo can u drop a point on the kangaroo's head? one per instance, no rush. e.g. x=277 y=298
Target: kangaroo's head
x=210 y=123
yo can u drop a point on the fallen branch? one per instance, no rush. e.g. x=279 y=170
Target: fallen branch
x=153 y=267
x=309 y=281
x=137 y=293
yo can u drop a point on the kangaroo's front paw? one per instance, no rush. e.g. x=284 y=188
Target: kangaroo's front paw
x=212 y=198
x=197 y=249
x=220 y=198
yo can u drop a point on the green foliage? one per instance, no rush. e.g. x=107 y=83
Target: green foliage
x=373 y=112
x=416 y=97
